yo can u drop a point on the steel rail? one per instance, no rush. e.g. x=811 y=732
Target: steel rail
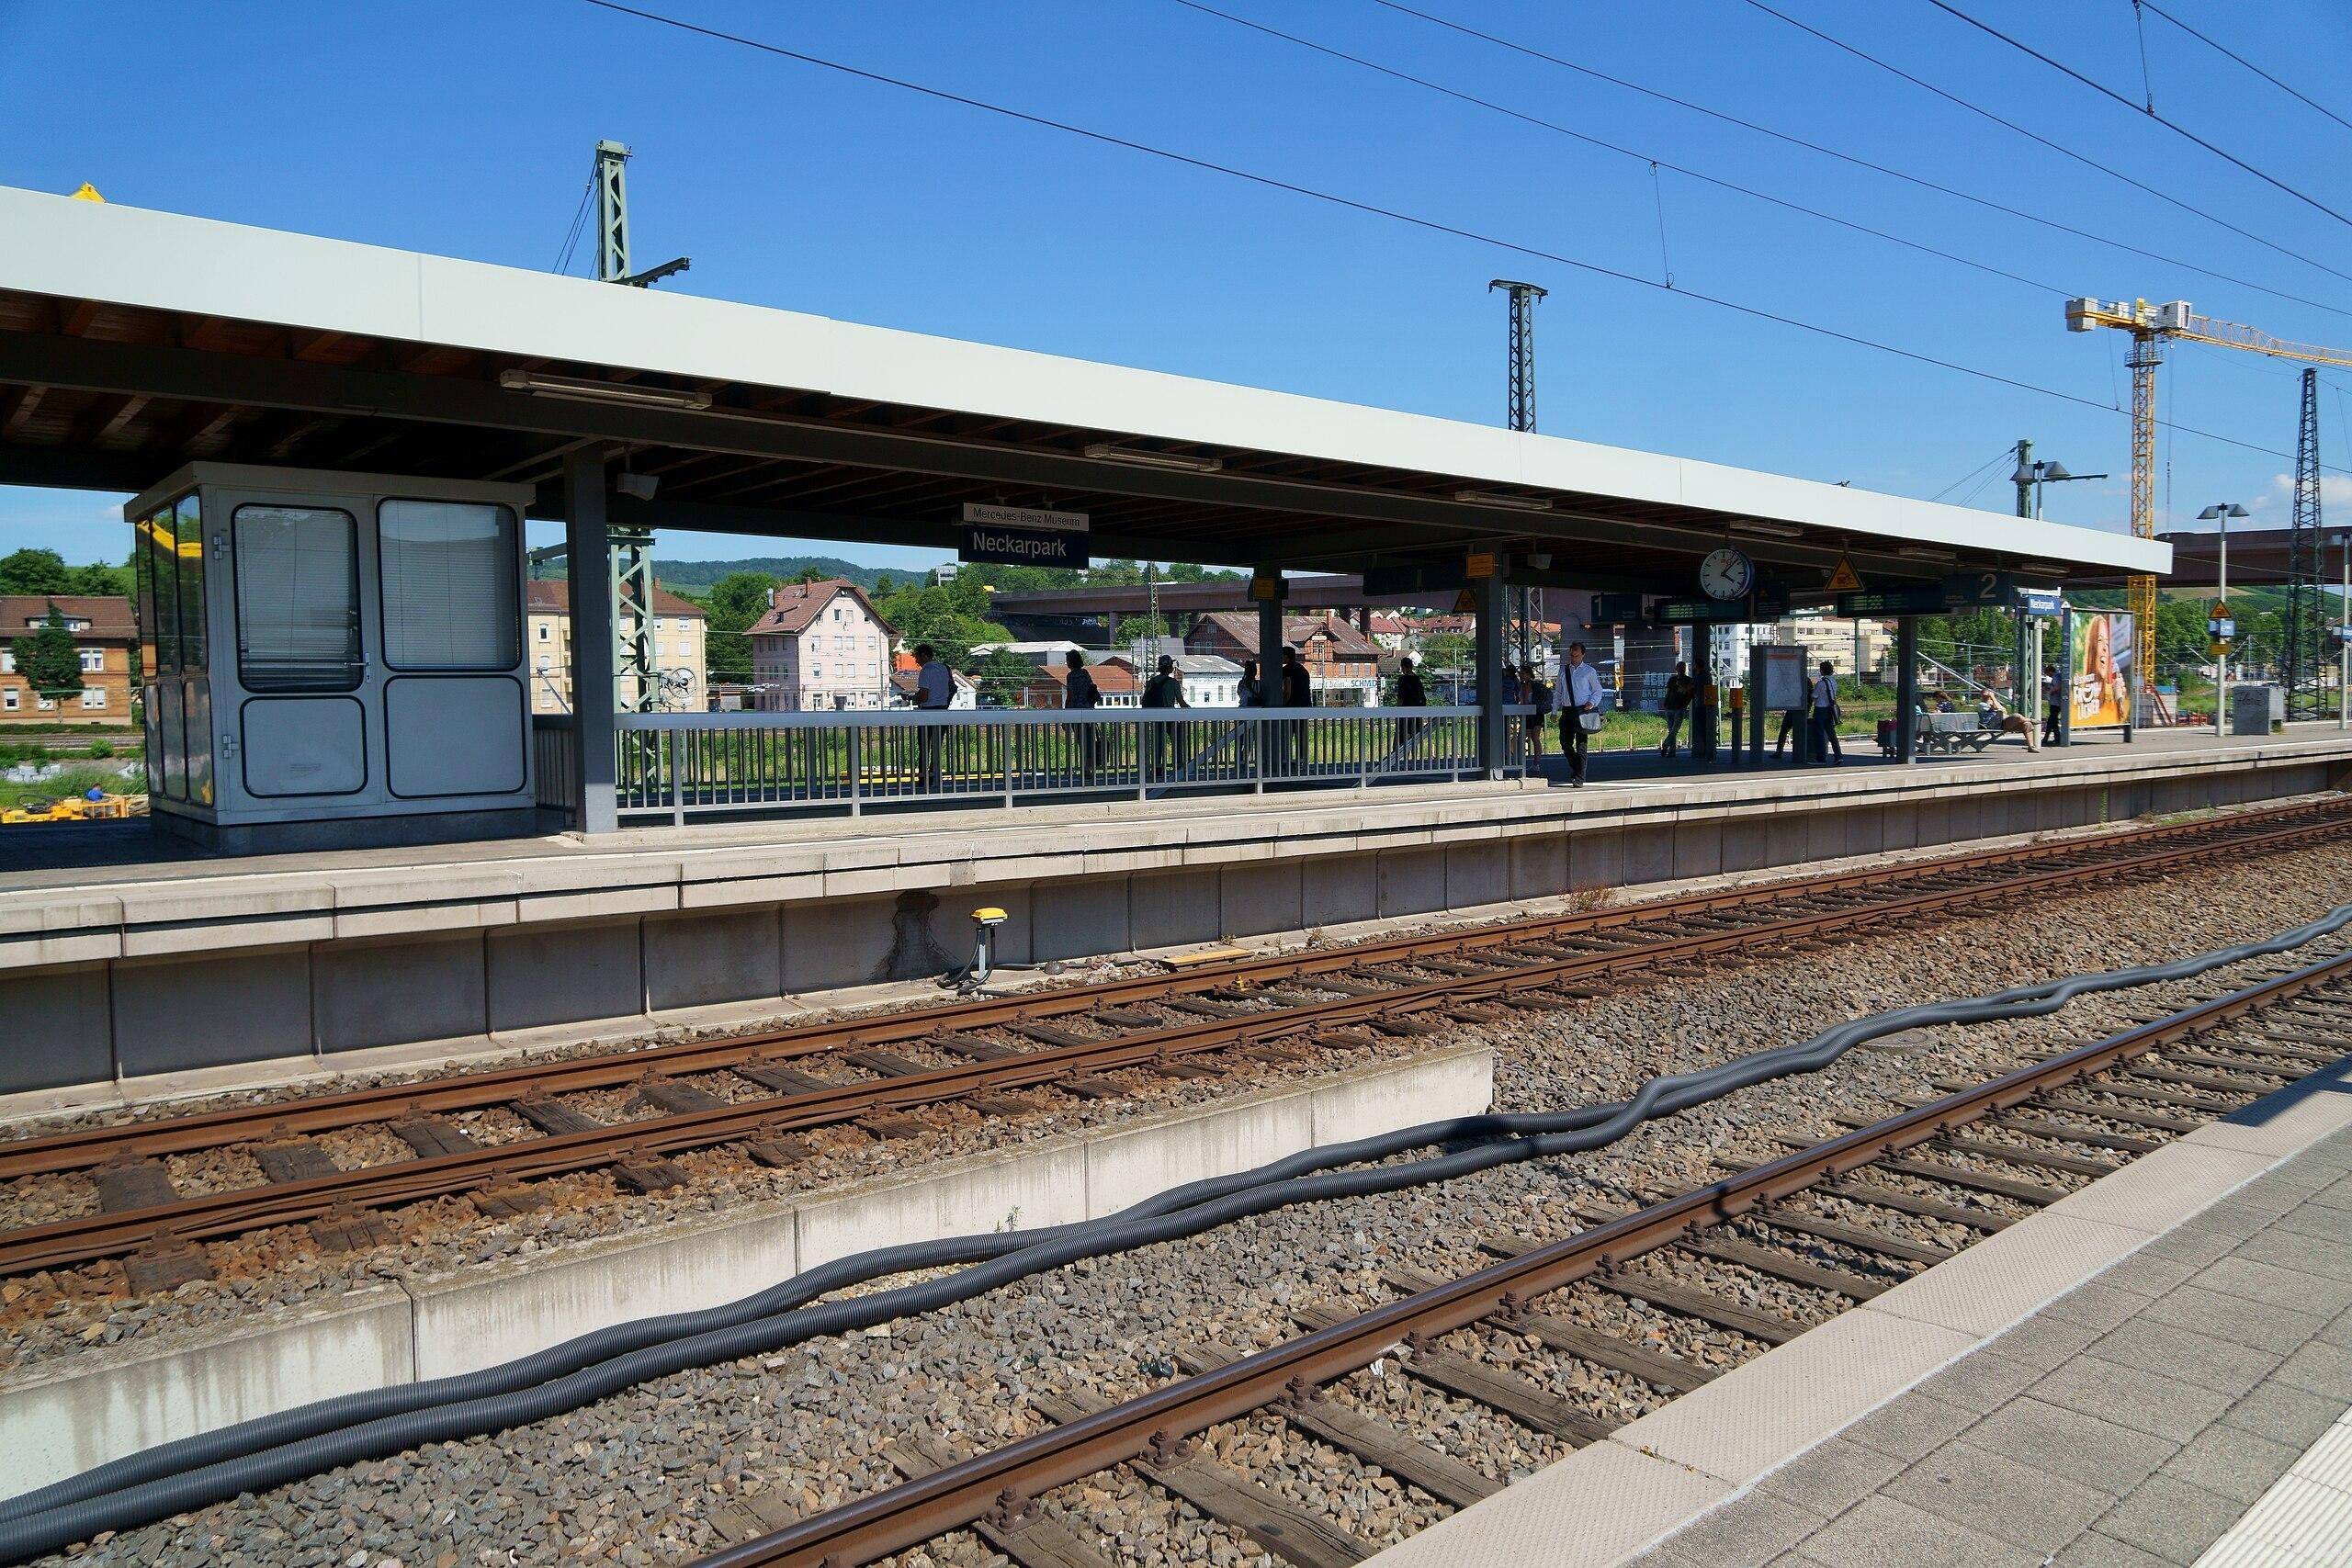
x=1008 y=1477
x=208 y=1216
x=83 y=1148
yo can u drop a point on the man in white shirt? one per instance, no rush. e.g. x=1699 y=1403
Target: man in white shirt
x=1824 y=717
x=1581 y=696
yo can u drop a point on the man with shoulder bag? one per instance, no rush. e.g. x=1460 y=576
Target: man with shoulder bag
x=1579 y=711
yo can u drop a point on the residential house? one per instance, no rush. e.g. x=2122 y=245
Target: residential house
x=1209 y=681
x=1114 y=681
x=1342 y=664
x=105 y=630
x=678 y=646
x=821 y=648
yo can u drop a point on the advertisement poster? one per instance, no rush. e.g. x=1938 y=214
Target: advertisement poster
x=2100 y=650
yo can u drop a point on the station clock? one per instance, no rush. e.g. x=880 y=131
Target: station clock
x=1727 y=573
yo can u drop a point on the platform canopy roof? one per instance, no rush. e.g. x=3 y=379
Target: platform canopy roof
x=2259 y=558
x=132 y=342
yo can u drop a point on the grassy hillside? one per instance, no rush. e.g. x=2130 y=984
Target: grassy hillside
x=696 y=576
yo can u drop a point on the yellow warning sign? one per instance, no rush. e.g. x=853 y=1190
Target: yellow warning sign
x=1480 y=564
x=1845 y=579
x=1465 y=603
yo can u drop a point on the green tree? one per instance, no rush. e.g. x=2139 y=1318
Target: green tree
x=733 y=604
x=951 y=616
x=1002 y=677
x=48 y=659
x=111 y=581
x=884 y=587
x=1133 y=629
x=34 y=571
x=1449 y=650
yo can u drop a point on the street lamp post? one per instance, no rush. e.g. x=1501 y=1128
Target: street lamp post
x=2222 y=627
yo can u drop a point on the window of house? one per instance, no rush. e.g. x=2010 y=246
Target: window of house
x=544 y=630
x=9 y=700
x=298 y=598
x=7 y=662
x=93 y=697
x=94 y=661
x=451 y=600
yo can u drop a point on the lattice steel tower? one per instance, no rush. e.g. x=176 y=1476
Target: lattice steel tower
x=1522 y=349
x=1521 y=412
x=2299 y=660
x=636 y=683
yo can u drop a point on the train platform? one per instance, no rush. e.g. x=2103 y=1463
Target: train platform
x=122 y=973
x=2155 y=1369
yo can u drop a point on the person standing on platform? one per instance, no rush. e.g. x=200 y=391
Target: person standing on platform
x=1537 y=695
x=2053 y=692
x=1824 y=717
x=1079 y=691
x=1409 y=695
x=1298 y=692
x=1166 y=690
x=1675 y=705
x=934 y=693
x=1582 y=698
x=1790 y=725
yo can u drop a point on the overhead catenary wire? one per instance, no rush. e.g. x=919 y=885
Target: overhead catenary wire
x=1855 y=160
x=2059 y=147
x=571 y=236
x=2174 y=126
x=1655 y=163
x=258 y=1455
x=2228 y=52
x=1375 y=209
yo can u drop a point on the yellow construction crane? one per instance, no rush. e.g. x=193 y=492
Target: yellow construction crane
x=2150 y=326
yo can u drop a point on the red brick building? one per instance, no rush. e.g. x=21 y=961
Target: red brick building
x=105 y=633
x=1342 y=664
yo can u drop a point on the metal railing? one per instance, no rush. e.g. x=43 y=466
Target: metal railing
x=685 y=765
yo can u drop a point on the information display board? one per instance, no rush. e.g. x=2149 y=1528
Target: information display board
x=2100 y=653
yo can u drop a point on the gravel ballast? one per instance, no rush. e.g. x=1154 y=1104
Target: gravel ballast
x=647 y=1477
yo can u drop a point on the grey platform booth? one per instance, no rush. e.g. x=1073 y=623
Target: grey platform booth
x=332 y=658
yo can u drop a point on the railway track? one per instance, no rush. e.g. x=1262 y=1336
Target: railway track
x=1841 y=1220
x=762 y=1092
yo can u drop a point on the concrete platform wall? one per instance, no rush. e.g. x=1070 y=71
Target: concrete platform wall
x=307 y=978
x=66 y=1415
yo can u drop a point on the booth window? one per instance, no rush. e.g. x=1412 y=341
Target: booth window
x=452 y=598
x=297 y=599
x=161 y=585
x=189 y=562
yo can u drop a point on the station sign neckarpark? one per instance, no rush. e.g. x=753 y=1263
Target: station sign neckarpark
x=1023 y=535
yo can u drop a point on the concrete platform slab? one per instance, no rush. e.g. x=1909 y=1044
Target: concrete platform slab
x=2034 y=1400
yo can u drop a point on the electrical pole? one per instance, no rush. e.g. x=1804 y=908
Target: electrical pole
x=2300 y=658
x=1521 y=405
x=636 y=683
x=612 y=212
x=2024 y=478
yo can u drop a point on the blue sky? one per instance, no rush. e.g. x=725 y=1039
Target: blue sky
x=467 y=129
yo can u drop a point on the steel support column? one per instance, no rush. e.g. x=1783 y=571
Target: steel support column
x=1906 y=688
x=590 y=596
x=1493 y=743
x=1269 y=652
